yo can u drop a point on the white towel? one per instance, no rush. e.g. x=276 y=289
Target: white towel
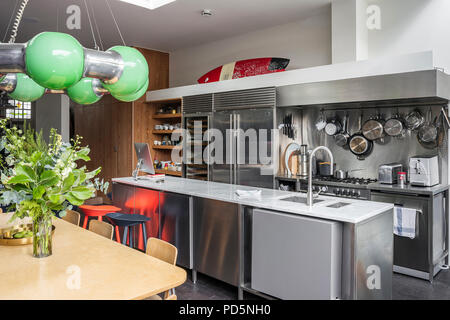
x=248 y=193
x=405 y=222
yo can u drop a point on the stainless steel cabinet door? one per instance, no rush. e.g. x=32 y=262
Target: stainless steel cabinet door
x=410 y=253
x=254 y=148
x=295 y=257
x=147 y=203
x=216 y=239
x=222 y=172
x=123 y=197
x=175 y=224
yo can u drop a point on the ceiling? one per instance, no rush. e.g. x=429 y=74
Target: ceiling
x=168 y=28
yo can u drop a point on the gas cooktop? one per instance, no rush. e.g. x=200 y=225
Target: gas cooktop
x=354 y=181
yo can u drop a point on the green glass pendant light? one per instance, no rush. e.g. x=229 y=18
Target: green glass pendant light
x=54 y=60
x=133 y=96
x=26 y=89
x=83 y=92
x=134 y=74
x=58 y=62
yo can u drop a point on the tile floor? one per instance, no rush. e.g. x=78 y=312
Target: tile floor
x=404 y=288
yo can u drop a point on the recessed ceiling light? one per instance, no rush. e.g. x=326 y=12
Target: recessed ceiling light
x=149 y=4
x=206 y=12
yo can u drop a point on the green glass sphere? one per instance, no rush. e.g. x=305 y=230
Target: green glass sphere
x=133 y=96
x=134 y=75
x=54 y=60
x=83 y=92
x=26 y=89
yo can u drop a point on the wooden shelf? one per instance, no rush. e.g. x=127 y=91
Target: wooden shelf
x=169 y=172
x=166 y=147
x=167 y=116
x=168 y=101
x=162 y=131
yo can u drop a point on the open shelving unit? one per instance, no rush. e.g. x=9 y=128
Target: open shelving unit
x=164 y=112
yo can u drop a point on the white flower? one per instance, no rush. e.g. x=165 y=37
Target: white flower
x=65 y=172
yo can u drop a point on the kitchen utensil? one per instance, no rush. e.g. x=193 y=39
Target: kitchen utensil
x=333 y=127
x=291 y=148
x=388 y=173
x=394 y=126
x=359 y=145
x=428 y=132
x=321 y=122
x=373 y=128
x=303 y=161
x=444 y=113
x=424 y=171
x=401 y=179
x=325 y=168
x=414 y=120
x=341 y=174
x=342 y=137
x=441 y=131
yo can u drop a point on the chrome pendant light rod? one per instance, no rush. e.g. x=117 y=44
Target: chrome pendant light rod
x=105 y=65
x=12 y=57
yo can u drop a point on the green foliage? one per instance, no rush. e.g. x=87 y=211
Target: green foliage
x=41 y=179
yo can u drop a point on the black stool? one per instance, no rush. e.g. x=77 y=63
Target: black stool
x=128 y=222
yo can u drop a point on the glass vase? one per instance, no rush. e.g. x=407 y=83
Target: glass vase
x=42 y=237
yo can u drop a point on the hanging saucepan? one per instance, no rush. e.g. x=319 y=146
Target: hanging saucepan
x=359 y=145
x=333 y=127
x=414 y=120
x=342 y=137
x=373 y=129
x=394 y=126
x=428 y=132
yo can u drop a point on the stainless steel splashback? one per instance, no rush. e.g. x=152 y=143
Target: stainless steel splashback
x=394 y=149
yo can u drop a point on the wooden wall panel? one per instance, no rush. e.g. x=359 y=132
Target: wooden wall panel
x=110 y=127
x=158 y=63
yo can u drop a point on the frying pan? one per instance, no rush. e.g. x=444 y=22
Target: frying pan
x=342 y=137
x=373 y=129
x=394 y=126
x=333 y=127
x=359 y=145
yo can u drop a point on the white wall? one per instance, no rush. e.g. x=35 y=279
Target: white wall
x=306 y=42
x=412 y=26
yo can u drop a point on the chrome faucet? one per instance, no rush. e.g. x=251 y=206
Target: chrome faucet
x=310 y=195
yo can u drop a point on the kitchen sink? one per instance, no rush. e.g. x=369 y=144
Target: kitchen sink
x=299 y=199
x=338 y=205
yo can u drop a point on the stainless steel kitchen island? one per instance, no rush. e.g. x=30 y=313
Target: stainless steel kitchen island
x=273 y=245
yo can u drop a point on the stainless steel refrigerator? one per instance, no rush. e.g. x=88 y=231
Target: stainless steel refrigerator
x=239 y=115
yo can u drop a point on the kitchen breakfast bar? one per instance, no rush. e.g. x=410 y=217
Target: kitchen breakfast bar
x=269 y=242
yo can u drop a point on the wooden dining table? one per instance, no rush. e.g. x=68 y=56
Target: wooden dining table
x=83 y=265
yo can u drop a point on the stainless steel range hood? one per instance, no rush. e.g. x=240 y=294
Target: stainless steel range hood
x=420 y=87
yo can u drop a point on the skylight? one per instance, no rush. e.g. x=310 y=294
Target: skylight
x=149 y=4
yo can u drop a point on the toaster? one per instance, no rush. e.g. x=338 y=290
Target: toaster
x=388 y=173
x=424 y=171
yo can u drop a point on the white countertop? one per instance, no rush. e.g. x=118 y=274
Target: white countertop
x=358 y=211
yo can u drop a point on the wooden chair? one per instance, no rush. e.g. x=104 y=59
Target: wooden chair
x=101 y=228
x=72 y=217
x=166 y=252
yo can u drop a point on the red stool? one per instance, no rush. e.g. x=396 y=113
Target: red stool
x=97 y=211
